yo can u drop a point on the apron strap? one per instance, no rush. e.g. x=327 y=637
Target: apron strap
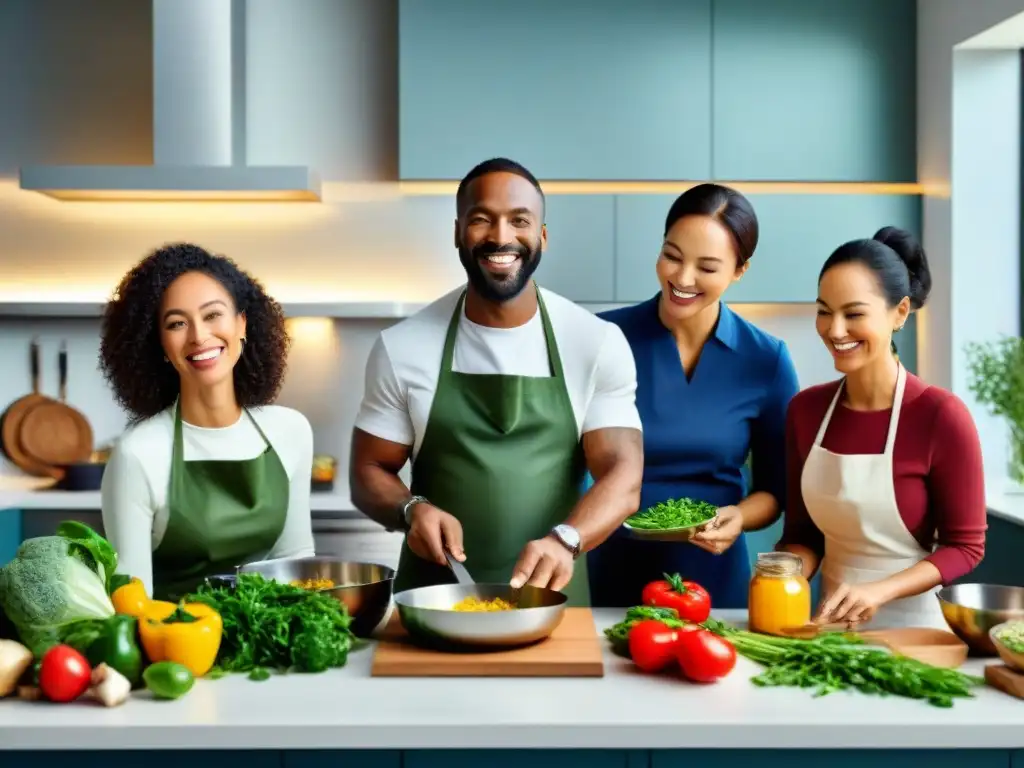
x=897 y=406
x=448 y=352
x=823 y=427
x=554 y=356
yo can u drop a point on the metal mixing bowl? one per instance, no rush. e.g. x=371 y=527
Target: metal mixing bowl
x=364 y=588
x=427 y=615
x=972 y=610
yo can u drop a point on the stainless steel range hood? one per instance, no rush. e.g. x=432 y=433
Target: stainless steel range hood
x=199 y=123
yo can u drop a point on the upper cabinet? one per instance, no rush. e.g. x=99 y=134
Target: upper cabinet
x=814 y=90
x=595 y=90
x=573 y=89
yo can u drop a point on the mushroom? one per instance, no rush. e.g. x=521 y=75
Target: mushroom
x=108 y=686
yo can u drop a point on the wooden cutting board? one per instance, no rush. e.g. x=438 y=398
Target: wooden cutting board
x=573 y=650
x=1007 y=680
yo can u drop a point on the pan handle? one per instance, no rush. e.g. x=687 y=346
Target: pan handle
x=62 y=364
x=34 y=364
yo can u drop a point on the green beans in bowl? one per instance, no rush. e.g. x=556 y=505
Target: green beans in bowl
x=1008 y=638
x=672 y=520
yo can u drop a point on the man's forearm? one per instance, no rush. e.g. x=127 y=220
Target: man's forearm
x=605 y=506
x=615 y=457
x=379 y=494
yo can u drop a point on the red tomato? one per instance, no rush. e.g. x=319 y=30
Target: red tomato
x=64 y=674
x=689 y=599
x=652 y=645
x=704 y=657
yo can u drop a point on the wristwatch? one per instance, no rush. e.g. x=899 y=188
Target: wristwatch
x=568 y=537
x=406 y=512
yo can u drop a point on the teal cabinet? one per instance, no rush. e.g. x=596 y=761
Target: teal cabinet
x=354 y=758
x=574 y=89
x=579 y=262
x=797 y=234
x=1004 y=542
x=512 y=758
x=10 y=533
x=814 y=91
x=838 y=758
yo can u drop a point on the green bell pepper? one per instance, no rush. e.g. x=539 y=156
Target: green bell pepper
x=118 y=648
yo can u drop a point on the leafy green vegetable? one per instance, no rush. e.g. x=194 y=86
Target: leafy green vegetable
x=674 y=513
x=272 y=625
x=55 y=582
x=836 y=661
x=92 y=549
x=618 y=634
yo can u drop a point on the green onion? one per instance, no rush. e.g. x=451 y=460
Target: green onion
x=837 y=661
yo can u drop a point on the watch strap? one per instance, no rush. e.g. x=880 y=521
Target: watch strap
x=406 y=510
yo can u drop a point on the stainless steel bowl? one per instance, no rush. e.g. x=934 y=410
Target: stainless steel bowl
x=364 y=588
x=427 y=616
x=972 y=610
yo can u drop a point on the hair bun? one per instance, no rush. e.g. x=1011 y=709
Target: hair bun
x=912 y=254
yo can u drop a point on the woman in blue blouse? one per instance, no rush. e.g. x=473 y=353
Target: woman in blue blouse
x=712 y=390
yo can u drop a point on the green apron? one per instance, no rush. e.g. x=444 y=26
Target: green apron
x=220 y=514
x=503 y=455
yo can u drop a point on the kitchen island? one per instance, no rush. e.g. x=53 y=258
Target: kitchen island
x=625 y=719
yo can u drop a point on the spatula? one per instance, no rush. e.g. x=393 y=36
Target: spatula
x=461 y=574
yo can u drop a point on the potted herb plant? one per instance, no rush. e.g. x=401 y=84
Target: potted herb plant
x=997 y=381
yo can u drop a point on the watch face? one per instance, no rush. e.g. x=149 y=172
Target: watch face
x=569 y=535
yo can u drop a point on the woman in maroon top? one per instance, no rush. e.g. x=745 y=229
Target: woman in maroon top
x=885 y=484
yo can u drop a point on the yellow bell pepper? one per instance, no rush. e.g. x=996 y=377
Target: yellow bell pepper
x=189 y=634
x=130 y=599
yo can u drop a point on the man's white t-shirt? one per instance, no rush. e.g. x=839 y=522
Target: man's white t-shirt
x=402 y=371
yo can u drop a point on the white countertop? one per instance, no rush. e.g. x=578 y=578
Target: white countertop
x=348 y=709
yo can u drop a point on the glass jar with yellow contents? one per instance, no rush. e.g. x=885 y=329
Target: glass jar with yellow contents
x=780 y=596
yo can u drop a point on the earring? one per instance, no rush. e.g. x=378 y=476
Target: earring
x=243 y=341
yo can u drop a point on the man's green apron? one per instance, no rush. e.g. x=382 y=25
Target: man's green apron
x=502 y=454
x=220 y=514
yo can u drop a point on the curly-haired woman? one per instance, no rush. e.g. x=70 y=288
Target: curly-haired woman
x=208 y=475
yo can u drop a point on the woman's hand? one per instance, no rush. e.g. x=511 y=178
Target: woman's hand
x=722 y=532
x=852 y=604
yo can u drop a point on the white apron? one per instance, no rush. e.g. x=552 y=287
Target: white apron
x=852 y=501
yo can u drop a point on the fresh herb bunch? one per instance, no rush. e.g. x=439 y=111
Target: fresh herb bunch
x=270 y=625
x=837 y=661
x=997 y=380
x=674 y=513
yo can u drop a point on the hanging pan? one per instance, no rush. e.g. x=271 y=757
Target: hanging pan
x=54 y=433
x=14 y=416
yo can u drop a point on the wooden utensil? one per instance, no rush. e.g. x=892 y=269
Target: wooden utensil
x=53 y=432
x=13 y=419
x=931 y=646
x=811 y=631
x=573 y=650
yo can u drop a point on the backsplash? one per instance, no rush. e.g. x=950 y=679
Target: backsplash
x=325 y=373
